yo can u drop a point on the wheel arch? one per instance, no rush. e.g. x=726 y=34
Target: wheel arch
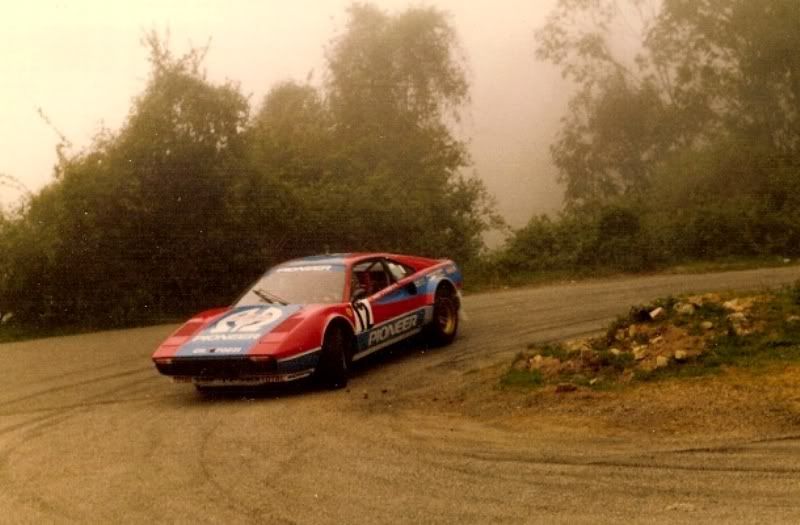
x=342 y=323
x=445 y=284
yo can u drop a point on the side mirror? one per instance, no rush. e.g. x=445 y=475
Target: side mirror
x=411 y=288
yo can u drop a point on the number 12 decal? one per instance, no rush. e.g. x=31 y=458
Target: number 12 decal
x=363 y=315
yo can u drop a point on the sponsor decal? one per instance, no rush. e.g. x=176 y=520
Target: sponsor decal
x=224 y=350
x=250 y=320
x=311 y=268
x=394 y=329
x=237 y=331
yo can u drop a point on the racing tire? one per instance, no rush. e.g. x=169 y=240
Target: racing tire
x=333 y=370
x=444 y=326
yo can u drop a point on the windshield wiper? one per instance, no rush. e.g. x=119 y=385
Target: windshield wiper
x=269 y=297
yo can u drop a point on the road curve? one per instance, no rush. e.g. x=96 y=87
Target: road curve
x=90 y=433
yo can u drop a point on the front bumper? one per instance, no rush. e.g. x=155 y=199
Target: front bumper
x=233 y=371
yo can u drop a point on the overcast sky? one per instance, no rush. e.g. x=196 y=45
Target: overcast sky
x=81 y=61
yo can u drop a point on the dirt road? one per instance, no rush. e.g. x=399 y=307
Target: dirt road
x=90 y=433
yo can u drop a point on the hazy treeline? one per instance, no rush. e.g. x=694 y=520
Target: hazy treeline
x=194 y=197
x=685 y=148
x=689 y=149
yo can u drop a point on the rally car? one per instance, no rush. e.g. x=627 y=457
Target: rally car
x=313 y=317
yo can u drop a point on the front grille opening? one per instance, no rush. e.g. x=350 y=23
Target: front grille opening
x=227 y=368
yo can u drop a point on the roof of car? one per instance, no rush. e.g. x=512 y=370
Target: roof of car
x=331 y=258
x=348 y=258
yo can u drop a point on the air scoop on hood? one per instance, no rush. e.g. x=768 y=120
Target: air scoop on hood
x=237 y=331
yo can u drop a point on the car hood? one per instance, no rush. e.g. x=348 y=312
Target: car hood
x=236 y=331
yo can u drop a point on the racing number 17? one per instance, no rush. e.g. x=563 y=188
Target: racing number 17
x=363 y=315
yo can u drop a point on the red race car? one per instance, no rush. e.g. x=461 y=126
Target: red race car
x=315 y=316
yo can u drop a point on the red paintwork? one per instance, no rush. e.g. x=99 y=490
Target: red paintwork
x=305 y=329
x=171 y=345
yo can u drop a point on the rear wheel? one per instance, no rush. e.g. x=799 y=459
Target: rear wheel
x=334 y=365
x=444 y=326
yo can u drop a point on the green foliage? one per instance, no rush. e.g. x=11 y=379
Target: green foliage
x=192 y=198
x=522 y=379
x=550 y=350
x=394 y=83
x=684 y=149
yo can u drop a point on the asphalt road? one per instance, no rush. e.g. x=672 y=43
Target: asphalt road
x=90 y=433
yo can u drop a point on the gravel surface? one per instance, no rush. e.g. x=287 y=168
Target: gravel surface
x=89 y=432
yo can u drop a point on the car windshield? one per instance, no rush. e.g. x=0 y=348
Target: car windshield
x=297 y=284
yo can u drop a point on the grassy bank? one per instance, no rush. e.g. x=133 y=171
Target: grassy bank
x=672 y=338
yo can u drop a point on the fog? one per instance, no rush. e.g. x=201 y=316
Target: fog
x=82 y=64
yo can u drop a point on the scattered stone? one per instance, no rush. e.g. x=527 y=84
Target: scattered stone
x=740 y=304
x=548 y=365
x=700 y=300
x=521 y=364
x=684 y=309
x=657 y=314
x=787 y=261
x=656 y=340
x=639 y=353
x=578 y=345
x=594 y=381
x=681 y=356
x=562 y=388
x=6 y=317
x=706 y=325
x=738 y=324
x=615 y=351
x=621 y=335
x=793 y=319
x=662 y=361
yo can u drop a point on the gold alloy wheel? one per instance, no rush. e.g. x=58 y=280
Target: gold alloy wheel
x=446 y=316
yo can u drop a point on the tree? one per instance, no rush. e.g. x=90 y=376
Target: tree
x=395 y=82
x=192 y=198
x=682 y=145
x=133 y=227
x=701 y=72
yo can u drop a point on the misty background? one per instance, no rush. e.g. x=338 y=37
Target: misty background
x=82 y=63
x=616 y=136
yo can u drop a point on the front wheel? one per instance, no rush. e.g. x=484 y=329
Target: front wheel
x=334 y=364
x=444 y=326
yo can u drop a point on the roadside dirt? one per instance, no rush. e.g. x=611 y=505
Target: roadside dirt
x=737 y=404
x=90 y=433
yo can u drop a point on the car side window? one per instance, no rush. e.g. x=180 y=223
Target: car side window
x=398 y=271
x=369 y=278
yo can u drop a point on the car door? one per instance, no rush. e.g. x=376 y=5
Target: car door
x=389 y=310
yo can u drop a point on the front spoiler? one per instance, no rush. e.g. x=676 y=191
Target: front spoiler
x=243 y=381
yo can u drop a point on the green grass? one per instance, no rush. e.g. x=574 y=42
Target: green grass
x=777 y=341
x=522 y=379
x=550 y=350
